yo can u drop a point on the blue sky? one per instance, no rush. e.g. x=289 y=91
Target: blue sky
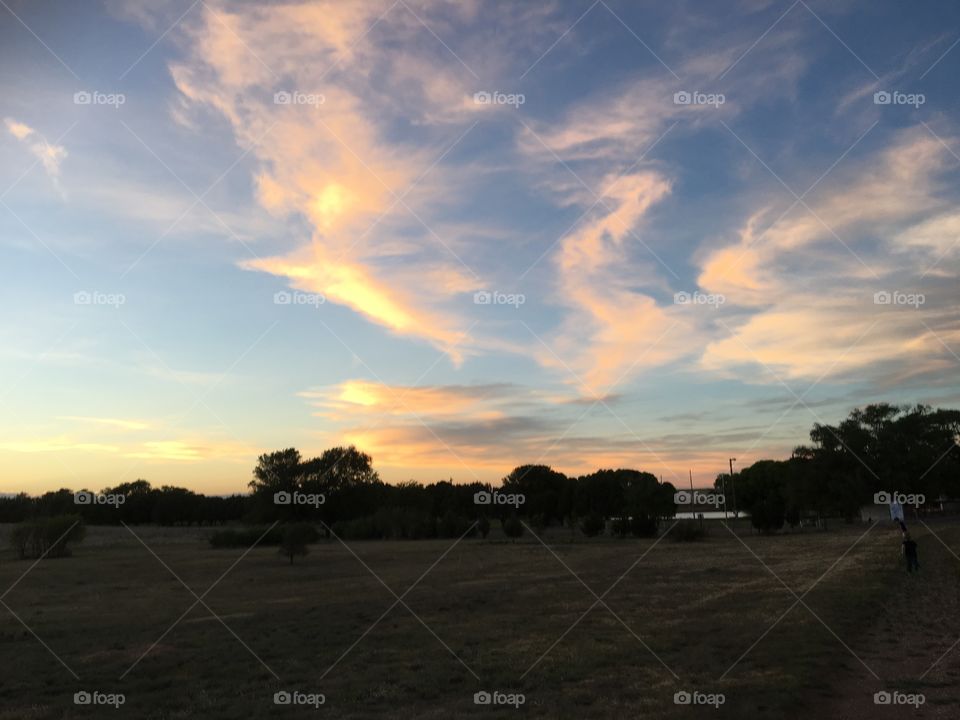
x=685 y=219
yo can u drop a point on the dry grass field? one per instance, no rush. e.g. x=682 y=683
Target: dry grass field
x=796 y=625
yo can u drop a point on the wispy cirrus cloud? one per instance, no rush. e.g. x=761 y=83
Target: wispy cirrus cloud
x=880 y=232
x=116 y=423
x=48 y=154
x=345 y=158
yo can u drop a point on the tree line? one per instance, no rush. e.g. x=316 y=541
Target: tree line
x=873 y=453
x=879 y=448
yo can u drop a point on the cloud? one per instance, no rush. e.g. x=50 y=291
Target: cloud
x=409 y=428
x=170 y=450
x=611 y=327
x=810 y=275
x=18 y=129
x=610 y=274
x=56 y=445
x=115 y=423
x=482 y=431
x=618 y=122
x=353 y=398
x=489 y=449
x=356 y=286
x=333 y=160
x=157 y=450
x=938 y=237
x=918 y=57
x=49 y=155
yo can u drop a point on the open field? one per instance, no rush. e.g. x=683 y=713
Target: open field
x=485 y=615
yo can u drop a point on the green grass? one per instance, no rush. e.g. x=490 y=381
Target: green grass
x=497 y=605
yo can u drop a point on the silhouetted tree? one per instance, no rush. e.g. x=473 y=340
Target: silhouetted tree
x=542 y=488
x=512 y=527
x=295 y=539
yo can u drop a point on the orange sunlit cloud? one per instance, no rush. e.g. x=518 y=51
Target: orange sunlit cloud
x=613 y=329
x=357 y=397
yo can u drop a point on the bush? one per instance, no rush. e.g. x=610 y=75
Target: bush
x=483 y=527
x=356 y=529
x=592 y=525
x=392 y=524
x=452 y=525
x=20 y=538
x=47 y=537
x=539 y=522
x=295 y=539
x=512 y=527
x=246 y=537
x=768 y=513
x=687 y=531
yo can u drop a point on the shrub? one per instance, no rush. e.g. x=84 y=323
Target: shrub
x=392 y=524
x=295 y=539
x=483 y=527
x=47 y=536
x=512 y=527
x=22 y=539
x=592 y=525
x=60 y=530
x=246 y=537
x=539 y=522
x=452 y=525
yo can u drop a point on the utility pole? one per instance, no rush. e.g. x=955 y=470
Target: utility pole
x=733 y=485
x=723 y=487
x=696 y=515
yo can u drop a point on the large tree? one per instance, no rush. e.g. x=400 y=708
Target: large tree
x=543 y=491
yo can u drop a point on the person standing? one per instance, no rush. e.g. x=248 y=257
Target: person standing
x=910 y=553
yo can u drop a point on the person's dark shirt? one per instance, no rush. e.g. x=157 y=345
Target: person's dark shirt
x=909 y=548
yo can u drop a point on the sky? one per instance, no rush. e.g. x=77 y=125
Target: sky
x=467 y=235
